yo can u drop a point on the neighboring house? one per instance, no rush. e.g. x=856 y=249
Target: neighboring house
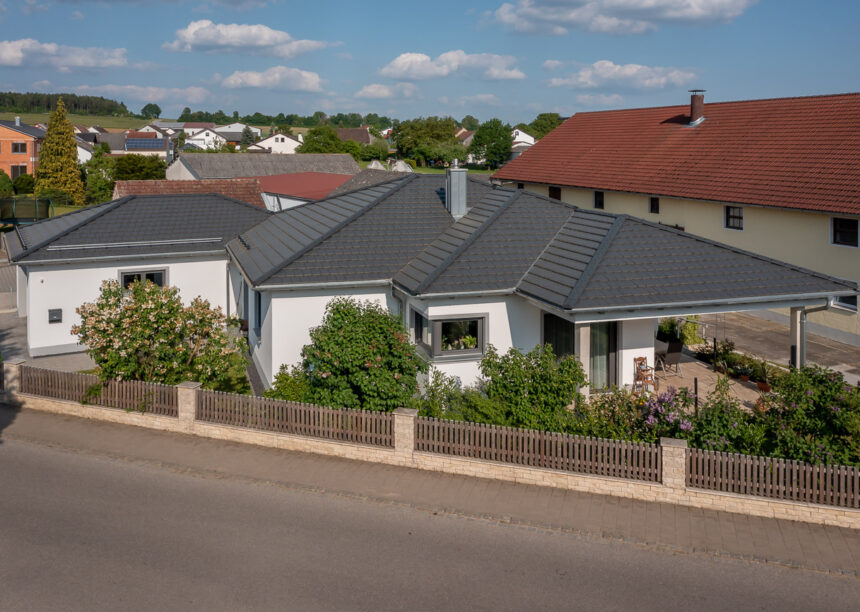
x=85 y=150
x=19 y=147
x=157 y=131
x=246 y=190
x=277 y=143
x=464 y=136
x=239 y=128
x=190 y=166
x=115 y=142
x=522 y=138
x=778 y=177
x=283 y=191
x=466 y=265
x=361 y=135
x=170 y=127
x=176 y=240
x=205 y=138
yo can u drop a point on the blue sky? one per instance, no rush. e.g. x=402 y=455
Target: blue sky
x=495 y=58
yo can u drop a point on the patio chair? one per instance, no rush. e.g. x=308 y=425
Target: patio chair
x=643 y=376
x=672 y=357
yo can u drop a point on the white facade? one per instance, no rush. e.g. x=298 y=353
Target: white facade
x=178 y=171
x=521 y=137
x=206 y=139
x=65 y=288
x=277 y=143
x=238 y=127
x=152 y=130
x=84 y=154
x=277 y=202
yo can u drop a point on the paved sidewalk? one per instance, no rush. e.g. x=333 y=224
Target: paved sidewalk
x=663 y=526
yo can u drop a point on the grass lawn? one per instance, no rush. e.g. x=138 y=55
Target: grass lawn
x=106 y=121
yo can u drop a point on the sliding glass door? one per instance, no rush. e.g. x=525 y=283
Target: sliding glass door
x=602 y=361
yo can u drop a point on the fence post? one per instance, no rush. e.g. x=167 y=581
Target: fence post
x=404 y=433
x=12 y=377
x=674 y=468
x=186 y=402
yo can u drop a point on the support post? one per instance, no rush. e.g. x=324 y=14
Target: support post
x=795 y=335
x=404 y=433
x=12 y=377
x=582 y=347
x=674 y=467
x=187 y=402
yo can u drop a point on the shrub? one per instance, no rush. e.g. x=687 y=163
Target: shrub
x=6 y=185
x=291 y=384
x=688 y=333
x=614 y=414
x=24 y=184
x=361 y=357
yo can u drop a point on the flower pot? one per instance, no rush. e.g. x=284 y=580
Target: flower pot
x=763 y=387
x=745 y=377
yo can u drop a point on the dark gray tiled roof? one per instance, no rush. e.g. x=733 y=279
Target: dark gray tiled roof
x=366 y=178
x=136 y=225
x=29 y=130
x=233 y=165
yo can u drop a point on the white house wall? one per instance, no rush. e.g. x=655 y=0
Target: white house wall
x=178 y=171
x=635 y=339
x=21 y=290
x=65 y=287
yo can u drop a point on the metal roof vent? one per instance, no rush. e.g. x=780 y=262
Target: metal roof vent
x=455 y=191
x=697 y=107
x=18 y=121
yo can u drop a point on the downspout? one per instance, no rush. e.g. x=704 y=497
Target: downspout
x=801 y=357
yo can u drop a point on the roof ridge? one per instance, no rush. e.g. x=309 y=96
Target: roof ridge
x=314 y=243
x=351 y=191
x=446 y=263
x=784 y=264
x=593 y=263
x=108 y=206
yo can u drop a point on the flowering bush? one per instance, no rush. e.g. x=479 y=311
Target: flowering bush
x=668 y=414
x=145 y=333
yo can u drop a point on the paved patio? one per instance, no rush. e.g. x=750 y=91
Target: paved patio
x=693 y=371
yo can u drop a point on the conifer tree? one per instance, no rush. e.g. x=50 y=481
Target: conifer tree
x=58 y=168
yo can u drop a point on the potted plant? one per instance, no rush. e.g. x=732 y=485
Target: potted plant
x=744 y=371
x=763 y=375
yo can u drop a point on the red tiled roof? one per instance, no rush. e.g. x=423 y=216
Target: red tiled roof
x=136 y=134
x=360 y=134
x=244 y=189
x=307 y=185
x=801 y=153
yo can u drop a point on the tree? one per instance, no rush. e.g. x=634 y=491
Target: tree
x=247 y=137
x=322 y=139
x=135 y=166
x=492 y=143
x=360 y=357
x=422 y=138
x=6 y=187
x=100 y=170
x=24 y=183
x=470 y=123
x=146 y=333
x=151 y=111
x=58 y=159
x=543 y=124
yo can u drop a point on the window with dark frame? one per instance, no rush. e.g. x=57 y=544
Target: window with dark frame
x=17 y=171
x=154 y=276
x=521 y=185
x=847 y=302
x=555 y=192
x=19 y=147
x=258 y=311
x=734 y=217
x=654 y=205
x=452 y=336
x=598 y=199
x=421 y=328
x=845 y=232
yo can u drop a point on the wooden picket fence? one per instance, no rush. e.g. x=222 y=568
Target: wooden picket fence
x=541 y=449
x=359 y=426
x=833 y=485
x=130 y=395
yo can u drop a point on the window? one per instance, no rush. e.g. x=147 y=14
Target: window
x=154 y=276
x=19 y=147
x=523 y=186
x=555 y=192
x=598 y=199
x=734 y=217
x=421 y=328
x=603 y=362
x=258 y=311
x=847 y=302
x=845 y=231
x=18 y=171
x=559 y=333
x=459 y=336
x=654 y=206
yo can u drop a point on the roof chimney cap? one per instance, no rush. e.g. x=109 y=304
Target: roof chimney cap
x=697 y=106
x=18 y=121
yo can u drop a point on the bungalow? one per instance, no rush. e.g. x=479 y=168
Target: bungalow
x=193 y=166
x=205 y=138
x=779 y=177
x=176 y=240
x=467 y=264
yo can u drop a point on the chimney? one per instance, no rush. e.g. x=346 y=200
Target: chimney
x=697 y=106
x=18 y=121
x=455 y=191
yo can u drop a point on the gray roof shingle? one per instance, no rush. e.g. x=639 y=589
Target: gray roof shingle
x=133 y=226
x=29 y=130
x=233 y=165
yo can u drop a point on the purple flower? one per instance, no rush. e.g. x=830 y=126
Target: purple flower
x=686 y=426
x=650 y=420
x=735 y=425
x=671 y=417
x=836 y=409
x=810 y=392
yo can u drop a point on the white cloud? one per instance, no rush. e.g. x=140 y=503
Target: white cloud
x=191 y=95
x=599 y=99
x=377 y=91
x=44 y=85
x=31 y=53
x=204 y=35
x=419 y=66
x=481 y=99
x=77 y=16
x=277 y=77
x=614 y=16
x=604 y=74
x=552 y=64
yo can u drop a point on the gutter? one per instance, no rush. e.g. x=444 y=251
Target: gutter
x=333 y=285
x=185 y=254
x=801 y=357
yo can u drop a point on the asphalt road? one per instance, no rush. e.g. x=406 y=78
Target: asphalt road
x=88 y=532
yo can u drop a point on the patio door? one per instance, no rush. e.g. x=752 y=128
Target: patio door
x=603 y=363
x=559 y=334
